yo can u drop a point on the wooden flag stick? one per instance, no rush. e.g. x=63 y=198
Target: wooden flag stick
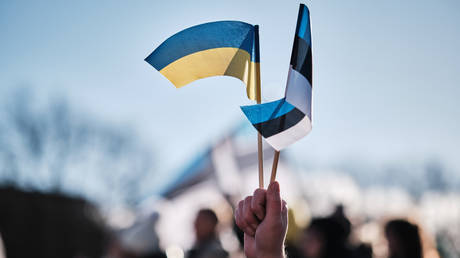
x=275 y=166
x=261 y=161
x=259 y=100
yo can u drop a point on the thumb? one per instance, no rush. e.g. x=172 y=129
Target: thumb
x=273 y=201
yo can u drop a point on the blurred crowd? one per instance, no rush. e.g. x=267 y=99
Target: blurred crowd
x=324 y=237
x=31 y=222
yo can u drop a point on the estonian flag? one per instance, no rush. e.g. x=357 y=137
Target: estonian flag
x=285 y=121
x=217 y=48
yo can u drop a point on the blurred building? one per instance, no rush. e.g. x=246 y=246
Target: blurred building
x=227 y=171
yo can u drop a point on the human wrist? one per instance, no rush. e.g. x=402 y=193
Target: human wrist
x=272 y=255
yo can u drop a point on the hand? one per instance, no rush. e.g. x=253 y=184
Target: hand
x=263 y=219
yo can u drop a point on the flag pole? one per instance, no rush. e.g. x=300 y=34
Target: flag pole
x=274 y=166
x=259 y=100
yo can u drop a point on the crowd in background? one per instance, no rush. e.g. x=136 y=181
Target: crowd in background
x=325 y=237
x=32 y=223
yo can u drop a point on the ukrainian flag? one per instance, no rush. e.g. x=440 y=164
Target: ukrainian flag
x=228 y=48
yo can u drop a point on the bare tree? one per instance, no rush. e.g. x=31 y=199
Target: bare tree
x=52 y=148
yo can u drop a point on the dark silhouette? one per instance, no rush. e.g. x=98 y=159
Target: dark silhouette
x=339 y=216
x=35 y=224
x=403 y=239
x=328 y=237
x=325 y=238
x=207 y=243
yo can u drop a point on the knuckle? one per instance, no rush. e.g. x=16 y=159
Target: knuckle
x=247 y=214
x=259 y=195
x=239 y=222
x=243 y=224
x=248 y=199
x=258 y=191
x=240 y=207
x=255 y=209
x=237 y=213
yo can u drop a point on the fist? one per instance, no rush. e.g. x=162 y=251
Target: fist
x=263 y=219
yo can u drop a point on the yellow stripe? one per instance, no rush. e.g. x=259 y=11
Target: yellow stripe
x=228 y=61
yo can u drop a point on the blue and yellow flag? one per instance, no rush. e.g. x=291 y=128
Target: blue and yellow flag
x=228 y=48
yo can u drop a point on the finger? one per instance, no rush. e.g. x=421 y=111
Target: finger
x=241 y=222
x=284 y=212
x=273 y=201
x=248 y=215
x=238 y=215
x=258 y=203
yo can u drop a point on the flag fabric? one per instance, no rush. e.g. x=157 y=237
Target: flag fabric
x=228 y=48
x=283 y=122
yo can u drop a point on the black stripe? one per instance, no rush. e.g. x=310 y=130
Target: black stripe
x=256 y=44
x=301 y=58
x=299 y=19
x=279 y=124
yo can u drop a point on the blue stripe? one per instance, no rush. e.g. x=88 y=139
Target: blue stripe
x=202 y=37
x=303 y=24
x=263 y=112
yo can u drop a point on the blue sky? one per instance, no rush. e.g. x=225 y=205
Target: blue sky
x=385 y=79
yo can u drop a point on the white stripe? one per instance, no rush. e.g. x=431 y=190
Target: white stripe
x=298 y=92
x=281 y=140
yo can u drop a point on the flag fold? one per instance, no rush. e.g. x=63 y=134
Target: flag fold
x=211 y=49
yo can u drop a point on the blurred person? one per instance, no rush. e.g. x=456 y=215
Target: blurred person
x=207 y=243
x=325 y=238
x=263 y=218
x=339 y=216
x=403 y=239
x=34 y=224
x=328 y=237
x=140 y=240
x=360 y=250
x=363 y=250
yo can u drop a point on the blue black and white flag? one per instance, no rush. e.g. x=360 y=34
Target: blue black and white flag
x=287 y=120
